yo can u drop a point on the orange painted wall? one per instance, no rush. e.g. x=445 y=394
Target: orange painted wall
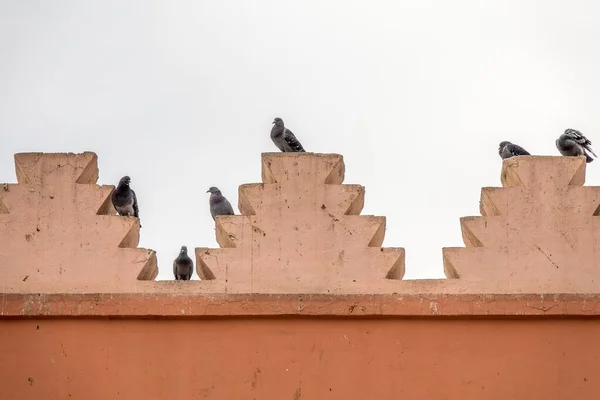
x=308 y=358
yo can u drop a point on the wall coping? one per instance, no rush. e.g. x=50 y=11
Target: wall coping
x=185 y=305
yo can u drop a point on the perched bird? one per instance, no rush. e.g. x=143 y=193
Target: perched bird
x=283 y=138
x=508 y=150
x=124 y=199
x=183 y=266
x=219 y=205
x=573 y=143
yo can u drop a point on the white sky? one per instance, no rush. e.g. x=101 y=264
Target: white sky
x=416 y=95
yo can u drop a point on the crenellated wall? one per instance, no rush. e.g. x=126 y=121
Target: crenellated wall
x=300 y=232
x=537 y=234
x=59 y=232
x=301 y=301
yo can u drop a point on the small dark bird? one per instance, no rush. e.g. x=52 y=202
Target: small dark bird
x=573 y=143
x=183 y=266
x=508 y=150
x=124 y=199
x=219 y=205
x=283 y=138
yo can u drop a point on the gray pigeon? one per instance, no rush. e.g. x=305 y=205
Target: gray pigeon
x=573 y=143
x=508 y=150
x=183 y=266
x=124 y=199
x=283 y=138
x=219 y=205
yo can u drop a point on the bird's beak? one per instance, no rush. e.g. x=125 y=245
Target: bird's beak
x=208 y=191
x=273 y=122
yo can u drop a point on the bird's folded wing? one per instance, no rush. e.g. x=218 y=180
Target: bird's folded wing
x=291 y=140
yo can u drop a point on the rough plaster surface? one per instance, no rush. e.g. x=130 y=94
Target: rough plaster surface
x=311 y=358
x=300 y=232
x=194 y=305
x=59 y=234
x=81 y=318
x=538 y=234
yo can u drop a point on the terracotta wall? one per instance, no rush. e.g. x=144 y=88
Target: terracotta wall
x=301 y=301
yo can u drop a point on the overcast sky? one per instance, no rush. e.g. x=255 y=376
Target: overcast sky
x=416 y=95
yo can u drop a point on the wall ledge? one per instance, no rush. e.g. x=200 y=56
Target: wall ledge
x=136 y=305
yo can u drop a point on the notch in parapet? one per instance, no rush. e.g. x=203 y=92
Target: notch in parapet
x=299 y=232
x=538 y=233
x=106 y=207
x=56 y=237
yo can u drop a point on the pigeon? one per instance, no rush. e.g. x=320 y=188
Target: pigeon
x=183 y=266
x=508 y=150
x=124 y=199
x=219 y=205
x=573 y=143
x=284 y=139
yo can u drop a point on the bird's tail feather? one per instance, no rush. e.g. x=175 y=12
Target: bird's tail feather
x=588 y=159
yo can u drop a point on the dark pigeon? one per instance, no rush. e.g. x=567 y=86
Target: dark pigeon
x=508 y=150
x=183 y=266
x=573 y=143
x=124 y=199
x=284 y=139
x=219 y=205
